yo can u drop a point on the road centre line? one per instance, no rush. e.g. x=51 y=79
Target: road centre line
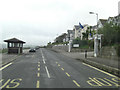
x=62 y=69
x=76 y=83
x=38 y=69
x=67 y=74
x=47 y=72
x=38 y=74
x=38 y=84
x=38 y=65
x=5 y=66
x=101 y=70
x=58 y=64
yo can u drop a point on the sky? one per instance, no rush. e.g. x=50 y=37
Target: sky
x=38 y=22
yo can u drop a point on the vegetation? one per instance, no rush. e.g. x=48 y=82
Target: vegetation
x=87 y=44
x=3 y=50
x=111 y=36
x=57 y=43
x=88 y=32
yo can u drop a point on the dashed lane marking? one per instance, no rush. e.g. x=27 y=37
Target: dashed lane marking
x=38 y=69
x=76 y=83
x=38 y=65
x=62 y=69
x=38 y=74
x=38 y=84
x=5 y=66
x=67 y=74
x=58 y=64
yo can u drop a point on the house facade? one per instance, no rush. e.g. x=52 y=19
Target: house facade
x=83 y=30
x=77 y=31
x=101 y=23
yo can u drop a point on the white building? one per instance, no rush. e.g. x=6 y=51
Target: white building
x=70 y=35
x=77 y=30
x=101 y=23
x=83 y=30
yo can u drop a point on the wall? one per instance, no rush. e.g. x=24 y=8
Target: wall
x=61 y=48
x=109 y=52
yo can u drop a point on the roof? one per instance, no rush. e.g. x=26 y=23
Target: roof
x=14 y=40
x=76 y=27
x=103 y=21
x=70 y=31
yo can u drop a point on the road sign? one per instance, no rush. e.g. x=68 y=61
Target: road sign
x=75 y=45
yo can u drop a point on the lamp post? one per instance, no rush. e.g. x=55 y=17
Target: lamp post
x=95 y=37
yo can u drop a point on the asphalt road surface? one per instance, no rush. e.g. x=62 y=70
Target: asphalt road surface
x=49 y=69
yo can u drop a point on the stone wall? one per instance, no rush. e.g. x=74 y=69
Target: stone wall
x=109 y=52
x=80 y=50
x=63 y=48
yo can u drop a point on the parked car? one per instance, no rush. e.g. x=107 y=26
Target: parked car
x=32 y=50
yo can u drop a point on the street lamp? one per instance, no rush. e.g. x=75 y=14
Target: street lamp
x=95 y=37
x=96 y=19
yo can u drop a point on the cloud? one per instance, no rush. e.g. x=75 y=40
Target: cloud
x=41 y=20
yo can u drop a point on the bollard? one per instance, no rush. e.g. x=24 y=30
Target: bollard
x=85 y=53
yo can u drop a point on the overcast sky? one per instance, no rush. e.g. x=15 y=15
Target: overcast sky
x=39 y=21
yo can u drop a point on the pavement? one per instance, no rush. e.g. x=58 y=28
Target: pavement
x=6 y=58
x=109 y=65
x=48 y=69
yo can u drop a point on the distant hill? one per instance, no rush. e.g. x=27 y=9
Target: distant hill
x=5 y=46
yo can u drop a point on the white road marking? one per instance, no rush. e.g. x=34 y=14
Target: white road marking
x=47 y=72
x=44 y=61
x=43 y=57
x=5 y=66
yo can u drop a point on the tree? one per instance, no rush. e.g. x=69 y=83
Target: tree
x=111 y=34
x=85 y=35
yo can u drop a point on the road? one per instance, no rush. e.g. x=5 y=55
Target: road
x=49 y=69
